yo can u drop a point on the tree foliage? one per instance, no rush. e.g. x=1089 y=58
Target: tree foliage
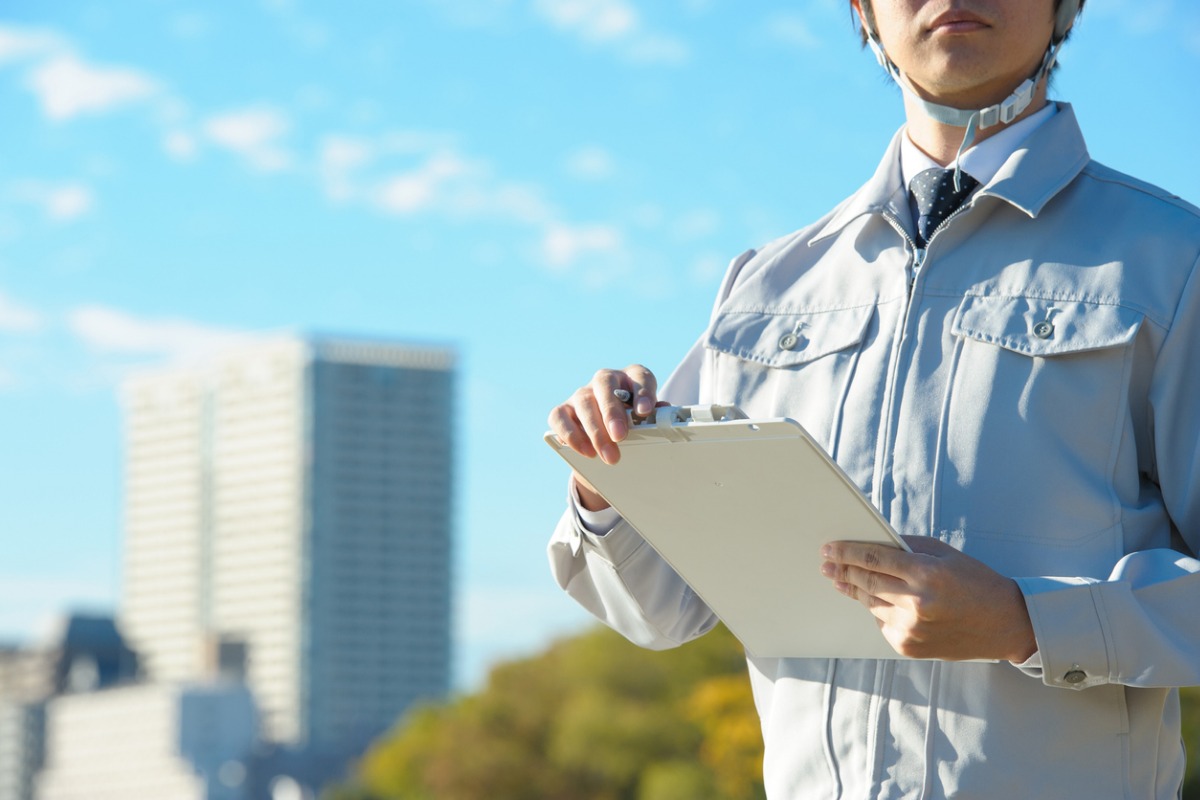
x=595 y=718
x=1190 y=698
x=592 y=718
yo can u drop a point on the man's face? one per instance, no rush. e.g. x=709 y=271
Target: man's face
x=964 y=53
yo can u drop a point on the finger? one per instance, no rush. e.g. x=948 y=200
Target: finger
x=881 y=609
x=565 y=425
x=588 y=410
x=875 y=557
x=644 y=388
x=863 y=584
x=604 y=385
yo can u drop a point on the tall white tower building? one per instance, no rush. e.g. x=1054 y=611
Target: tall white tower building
x=288 y=514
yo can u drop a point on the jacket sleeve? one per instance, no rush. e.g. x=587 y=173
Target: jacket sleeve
x=617 y=576
x=1141 y=626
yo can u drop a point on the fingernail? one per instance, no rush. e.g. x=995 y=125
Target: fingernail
x=827 y=569
x=826 y=552
x=616 y=429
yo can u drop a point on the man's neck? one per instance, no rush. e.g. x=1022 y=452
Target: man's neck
x=941 y=142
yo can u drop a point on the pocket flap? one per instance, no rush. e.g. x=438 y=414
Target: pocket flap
x=784 y=338
x=1045 y=327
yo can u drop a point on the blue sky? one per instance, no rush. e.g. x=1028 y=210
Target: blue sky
x=550 y=186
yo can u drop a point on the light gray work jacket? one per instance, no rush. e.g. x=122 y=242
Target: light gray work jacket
x=1028 y=390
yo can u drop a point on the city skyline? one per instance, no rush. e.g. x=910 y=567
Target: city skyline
x=547 y=186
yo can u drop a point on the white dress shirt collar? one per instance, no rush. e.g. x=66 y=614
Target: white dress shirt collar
x=982 y=161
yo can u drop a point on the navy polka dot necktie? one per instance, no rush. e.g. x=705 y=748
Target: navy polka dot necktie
x=936 y=198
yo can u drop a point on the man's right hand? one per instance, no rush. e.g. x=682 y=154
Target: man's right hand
x=592 y=421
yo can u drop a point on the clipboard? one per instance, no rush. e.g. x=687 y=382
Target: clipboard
x=740 y=509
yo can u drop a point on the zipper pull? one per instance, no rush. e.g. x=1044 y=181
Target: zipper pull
x=918 y=259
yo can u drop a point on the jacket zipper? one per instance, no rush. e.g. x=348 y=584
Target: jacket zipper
x=884 y=486
x=918 y=253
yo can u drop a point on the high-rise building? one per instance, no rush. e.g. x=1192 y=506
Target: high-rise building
x=288 y=516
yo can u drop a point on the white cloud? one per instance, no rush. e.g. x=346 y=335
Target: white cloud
x=68 y=202
x=190 y=25
x=60 y=202
x=67 y=87
x=563 y=244
x=339 y=159
x=180 y=145
x=253 y=134
x=792 y=29
x=696 y=224
x=707 y=268
x=18 y=318
x=19 y=43
x=109 y=330
x=657 y=49
x=591 y=163
x=612 y=22
x=440 y=179
x=595 y=20
x=433 y=184
x=524 y=203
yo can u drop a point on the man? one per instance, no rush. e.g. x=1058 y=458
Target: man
x=1000 y=354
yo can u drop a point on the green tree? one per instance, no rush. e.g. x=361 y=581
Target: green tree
x=595 y=718
x=592 y=718
x=1190 y=698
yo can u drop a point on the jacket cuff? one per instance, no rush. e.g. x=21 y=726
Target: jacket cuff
x=604 y=533
x=1068 y=622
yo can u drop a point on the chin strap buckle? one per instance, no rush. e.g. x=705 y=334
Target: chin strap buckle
x=1017 y=102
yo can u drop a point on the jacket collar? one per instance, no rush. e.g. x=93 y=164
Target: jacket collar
x=1040 y=168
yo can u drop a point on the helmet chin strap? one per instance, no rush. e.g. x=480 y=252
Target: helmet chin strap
x=972 y=119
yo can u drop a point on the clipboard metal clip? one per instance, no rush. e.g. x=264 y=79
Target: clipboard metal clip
x=667 y=418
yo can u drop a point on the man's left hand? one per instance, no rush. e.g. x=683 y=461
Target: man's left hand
x=934 y=602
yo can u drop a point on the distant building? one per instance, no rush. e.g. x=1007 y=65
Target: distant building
x=288 y=517
x=22 y=745
x=82 y=653
x=161 y=741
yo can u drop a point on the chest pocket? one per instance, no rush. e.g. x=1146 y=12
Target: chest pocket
x=1045 y=328
x=1031 y=424
x=788 y=363
x=787 y=338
